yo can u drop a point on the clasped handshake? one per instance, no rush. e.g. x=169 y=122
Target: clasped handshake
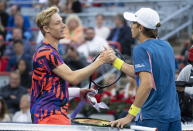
x=107 y=56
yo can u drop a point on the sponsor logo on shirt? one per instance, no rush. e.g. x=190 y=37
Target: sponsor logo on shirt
x=139 y=65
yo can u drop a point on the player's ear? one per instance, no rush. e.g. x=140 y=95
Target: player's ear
x=141 y=28
x=46 y=29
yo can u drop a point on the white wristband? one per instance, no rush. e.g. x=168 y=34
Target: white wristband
x=74 y=92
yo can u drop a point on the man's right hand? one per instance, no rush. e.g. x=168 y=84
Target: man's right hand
x=107 y=56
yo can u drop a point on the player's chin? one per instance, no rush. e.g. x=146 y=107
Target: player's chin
x=62 y=37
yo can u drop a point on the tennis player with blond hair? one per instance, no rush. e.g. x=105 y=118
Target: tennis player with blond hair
x=49 y=93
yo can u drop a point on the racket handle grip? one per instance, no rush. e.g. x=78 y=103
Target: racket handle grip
x=77 y=109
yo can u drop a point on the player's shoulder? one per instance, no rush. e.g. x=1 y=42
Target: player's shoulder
x=139 y=47
x=44 y=48
x=43 y=51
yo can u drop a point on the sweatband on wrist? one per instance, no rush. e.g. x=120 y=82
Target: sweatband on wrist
x=118 y=63
x=74 y=92
x=134 y=110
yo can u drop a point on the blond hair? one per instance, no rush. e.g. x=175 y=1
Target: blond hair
x=73 y=17
x=43 y=18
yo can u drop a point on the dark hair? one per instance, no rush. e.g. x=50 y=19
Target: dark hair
x=69 y=47
x=152 y=33
x=121 y=18
x=190 y=62
x=90 y=28
x=3 y=109
x=17 y=42
x=26 y=64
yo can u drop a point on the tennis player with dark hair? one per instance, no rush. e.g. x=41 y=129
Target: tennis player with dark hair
x=156 y=103
x=49 y=94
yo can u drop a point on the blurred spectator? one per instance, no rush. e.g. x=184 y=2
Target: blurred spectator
x=93 y=44
x=74 y=31
x=122 y=34
x=184 y=52
x=39 y=38
x=17 y=36
x=100 y=29
x=72 y=6
x=185 y=92
x=74 y=60
x=3 y=17
x=2 y=46
x=12 y=92
x=4 y=116
x=23 y=115
x=182 y=59
x=14 y=9
x=19 y=54
x=19 y=21
x=187 y=45
x=22 y=68
x=55 y=3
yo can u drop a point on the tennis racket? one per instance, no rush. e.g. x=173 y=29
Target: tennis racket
x=105 y=123
x=105 y=76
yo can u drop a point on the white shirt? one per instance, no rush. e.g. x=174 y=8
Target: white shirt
x=20 y=116
x=184 y=76
x=102 y=32
x=39 y=37
x=93 y=46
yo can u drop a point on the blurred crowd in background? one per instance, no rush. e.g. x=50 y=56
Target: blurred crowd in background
x=19 y=39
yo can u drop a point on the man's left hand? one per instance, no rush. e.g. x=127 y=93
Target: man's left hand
x=121 y=122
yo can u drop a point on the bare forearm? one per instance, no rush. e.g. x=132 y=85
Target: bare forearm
x=84 y=73
x=145 y=87
x=75 y=77
x=141 y=96
x=128 y=70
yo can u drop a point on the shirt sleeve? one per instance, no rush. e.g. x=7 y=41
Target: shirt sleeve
x=184 y=74
x=141 y=60
x=54 y=60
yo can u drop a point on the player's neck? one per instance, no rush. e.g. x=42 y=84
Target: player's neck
x=143 y=38
x=53 y=42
